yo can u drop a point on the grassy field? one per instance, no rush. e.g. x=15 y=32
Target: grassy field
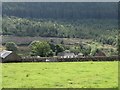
x=60 y=75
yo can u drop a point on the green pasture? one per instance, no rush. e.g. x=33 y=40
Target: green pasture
x=60 y=75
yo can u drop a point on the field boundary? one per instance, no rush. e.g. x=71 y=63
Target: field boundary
x=59 y=59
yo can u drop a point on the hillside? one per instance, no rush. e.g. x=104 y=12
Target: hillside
x=104 y=31
x=63 y=10
x=97 y=21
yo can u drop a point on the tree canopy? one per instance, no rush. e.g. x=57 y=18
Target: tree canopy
x=11 y=46
x=41 y=48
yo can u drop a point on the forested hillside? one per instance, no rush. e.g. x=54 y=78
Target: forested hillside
x=63 y=10
x=97 y=21
x=101 y=30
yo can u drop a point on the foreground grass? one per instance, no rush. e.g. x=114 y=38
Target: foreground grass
x=60 y=75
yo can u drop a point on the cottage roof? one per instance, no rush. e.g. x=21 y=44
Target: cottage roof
x=5 y=53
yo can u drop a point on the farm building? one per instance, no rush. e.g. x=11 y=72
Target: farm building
x=9 y=56
x=66 y=55
x=99 y=53
x=80 y=55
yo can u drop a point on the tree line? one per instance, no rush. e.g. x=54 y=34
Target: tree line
x=48 y=49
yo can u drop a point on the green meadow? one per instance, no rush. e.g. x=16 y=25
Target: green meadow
x=60 y=75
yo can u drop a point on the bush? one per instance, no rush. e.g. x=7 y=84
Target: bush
x=41 y=48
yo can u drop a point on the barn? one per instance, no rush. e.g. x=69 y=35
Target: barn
x=9 y=56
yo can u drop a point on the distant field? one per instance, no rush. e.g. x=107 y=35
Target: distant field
x=60 y=75
x=27 y=40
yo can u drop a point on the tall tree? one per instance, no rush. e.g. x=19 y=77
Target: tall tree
x=41 y=48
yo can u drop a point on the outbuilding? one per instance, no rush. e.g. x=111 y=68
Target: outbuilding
x=9 y=56
x=80 y=55
x=99 y=53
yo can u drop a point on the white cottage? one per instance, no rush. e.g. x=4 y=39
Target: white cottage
x=66 y=55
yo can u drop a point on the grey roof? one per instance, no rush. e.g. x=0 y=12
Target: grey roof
x=4 y=53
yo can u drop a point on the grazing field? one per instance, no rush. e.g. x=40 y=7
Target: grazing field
x=60 y=75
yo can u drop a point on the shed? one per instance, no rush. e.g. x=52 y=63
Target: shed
x=99 y=53
x=80 y=55
x=9 y=56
